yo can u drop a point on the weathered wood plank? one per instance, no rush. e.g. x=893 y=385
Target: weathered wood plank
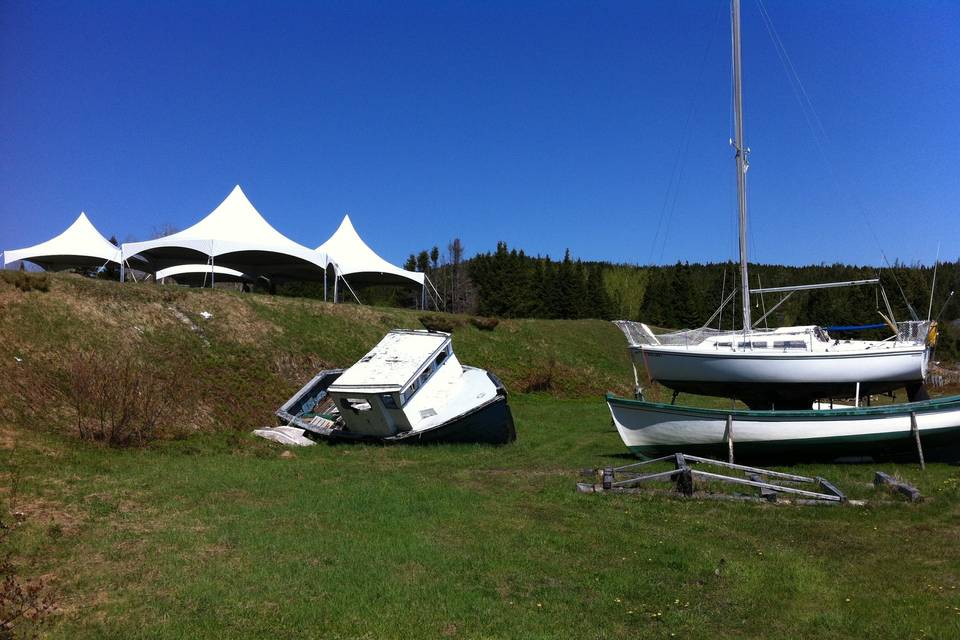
x=882 y=479
x=823 y=482
x=766 y=492
x=757 y=470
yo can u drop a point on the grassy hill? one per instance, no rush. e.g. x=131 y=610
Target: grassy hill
x=217 y=534
x=233 y=370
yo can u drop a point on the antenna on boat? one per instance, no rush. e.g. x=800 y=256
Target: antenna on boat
x=933 y=287
x=945 y=303
x=742 y=163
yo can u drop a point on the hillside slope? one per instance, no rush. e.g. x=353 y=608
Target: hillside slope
x=232 y=370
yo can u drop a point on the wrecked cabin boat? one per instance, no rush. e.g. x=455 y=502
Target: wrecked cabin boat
x=408 y=388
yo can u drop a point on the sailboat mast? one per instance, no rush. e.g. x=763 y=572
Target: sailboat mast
x=742 y=163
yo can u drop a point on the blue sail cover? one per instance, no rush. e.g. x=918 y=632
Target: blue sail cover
x=856 y=327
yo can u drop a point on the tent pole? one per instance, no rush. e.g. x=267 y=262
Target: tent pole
x=346 y=283
x=432 y=286
x=336 y=279
x=212 y=276
x=324 y=284
x=122 y=274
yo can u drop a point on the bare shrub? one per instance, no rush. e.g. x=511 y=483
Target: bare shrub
x=23 y=605
x=118 y=400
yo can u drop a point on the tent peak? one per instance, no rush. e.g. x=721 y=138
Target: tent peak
x=347 y=224
x=354 y=256
x=80 y=244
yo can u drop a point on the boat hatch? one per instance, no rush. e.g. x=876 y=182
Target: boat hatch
x=400 y=358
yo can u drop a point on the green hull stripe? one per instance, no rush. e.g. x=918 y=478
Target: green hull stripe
x=924 y=406
x=944 y=441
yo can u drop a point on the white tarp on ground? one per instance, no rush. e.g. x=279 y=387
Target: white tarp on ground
x=200 y=271
x=354 y=258
x=81 y=245
x=235 y=235
x=290 y=436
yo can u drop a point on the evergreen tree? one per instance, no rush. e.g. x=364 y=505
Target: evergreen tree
x=423 y=261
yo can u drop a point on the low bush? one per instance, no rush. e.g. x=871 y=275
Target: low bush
x=26 y=281
x=541 y=379
x=484 y=324
x=439 y=323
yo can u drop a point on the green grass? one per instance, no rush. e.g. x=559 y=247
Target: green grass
x=220 y=536
x=217 y=535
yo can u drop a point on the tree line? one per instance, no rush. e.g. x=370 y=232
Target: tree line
x=509 y=283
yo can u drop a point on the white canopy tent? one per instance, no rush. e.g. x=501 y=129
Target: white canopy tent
x=80 y=246
x=355 y=259
x=236 y=236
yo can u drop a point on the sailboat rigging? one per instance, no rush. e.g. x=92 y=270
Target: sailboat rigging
x=787 y=367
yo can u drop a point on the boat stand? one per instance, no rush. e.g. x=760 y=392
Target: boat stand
x=626 y=479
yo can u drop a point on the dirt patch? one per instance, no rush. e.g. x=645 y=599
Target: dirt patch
x=43 y=512
x=8 y=437
x=297 y=367
x=230 y=316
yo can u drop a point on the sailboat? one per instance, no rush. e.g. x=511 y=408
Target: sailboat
x=778 y=373
x=786 y=367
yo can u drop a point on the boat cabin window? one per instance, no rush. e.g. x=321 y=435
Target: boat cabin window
x=724 y=344
x=790 y=344
x=423 y=377
x=412 y=389
x=355 y=404
x=388 y=401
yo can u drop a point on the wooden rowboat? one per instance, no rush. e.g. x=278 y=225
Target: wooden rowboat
x=651 y=429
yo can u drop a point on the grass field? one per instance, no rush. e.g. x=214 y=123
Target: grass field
x=221 y=536
x=218 y=534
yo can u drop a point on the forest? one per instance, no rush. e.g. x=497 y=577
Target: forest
x=509 y=283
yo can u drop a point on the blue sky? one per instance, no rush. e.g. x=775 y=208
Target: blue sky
x=548 y=125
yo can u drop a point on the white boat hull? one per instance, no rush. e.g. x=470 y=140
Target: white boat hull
x=901 y=366
x=784 y=380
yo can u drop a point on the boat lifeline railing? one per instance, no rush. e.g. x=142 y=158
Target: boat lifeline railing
x=639 y=335
x=915 y=331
